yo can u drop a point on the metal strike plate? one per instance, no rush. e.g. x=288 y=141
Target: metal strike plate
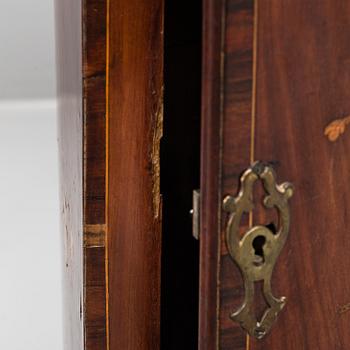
x=195 y=212
x=241 y=247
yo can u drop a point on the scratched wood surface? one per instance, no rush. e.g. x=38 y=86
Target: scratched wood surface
x=70 y=136
x=302 y=83
x=134 y=204
x=81 y=51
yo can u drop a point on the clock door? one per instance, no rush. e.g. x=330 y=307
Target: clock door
x=275 y=200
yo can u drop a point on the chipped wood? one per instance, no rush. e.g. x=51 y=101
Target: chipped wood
x=157 y=135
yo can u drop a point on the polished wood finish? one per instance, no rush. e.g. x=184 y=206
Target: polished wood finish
x=275 y=75
x=134 y=203
x=226 y=143
x=210 y=173
x=237 y=120
x=70 y=138
x=110 y=59
x=284 y=78
x=303 y=83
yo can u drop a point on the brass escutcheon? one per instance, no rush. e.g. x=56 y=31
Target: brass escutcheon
x=257 y=268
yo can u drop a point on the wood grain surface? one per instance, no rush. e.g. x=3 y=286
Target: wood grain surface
x=303 y=84
x=132 y=105
x=70 y=139
x=134 y=204
x=236 y=150
x=210 y=173
x=226 y=144
x=277 y=102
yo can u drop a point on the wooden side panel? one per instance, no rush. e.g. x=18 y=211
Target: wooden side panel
x=94 y=94
x=303 y=86
x=70 y=136
x=81 y=49
x=134 y=207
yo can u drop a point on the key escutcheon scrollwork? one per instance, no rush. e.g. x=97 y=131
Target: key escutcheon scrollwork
x=257 y=268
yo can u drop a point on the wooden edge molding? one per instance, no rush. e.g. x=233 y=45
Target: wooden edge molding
x=211 y=127
x=95 y=80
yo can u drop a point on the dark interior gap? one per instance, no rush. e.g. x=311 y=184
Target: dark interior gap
x=180 y=161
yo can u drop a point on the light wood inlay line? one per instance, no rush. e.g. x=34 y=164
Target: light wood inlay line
x=253 y=110
x=107 y=170
x=254 y=74
x=222 y=100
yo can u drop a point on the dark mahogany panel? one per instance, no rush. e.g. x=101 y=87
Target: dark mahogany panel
x=226 y=151
x=237 y=146
x=280 y=95
x=303 y=85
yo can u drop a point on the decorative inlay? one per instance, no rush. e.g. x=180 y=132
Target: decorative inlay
x=336 y=128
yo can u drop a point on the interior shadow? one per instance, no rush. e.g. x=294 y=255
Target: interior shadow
x=180 y=153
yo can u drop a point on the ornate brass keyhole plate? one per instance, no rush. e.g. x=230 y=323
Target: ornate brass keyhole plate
x=243 y=248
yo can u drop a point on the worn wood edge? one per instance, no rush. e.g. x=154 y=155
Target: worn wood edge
x=118 y=338
x=69 y=92
x=157 y=136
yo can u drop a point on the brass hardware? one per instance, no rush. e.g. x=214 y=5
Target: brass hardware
x=254 y=267
x=195 y=214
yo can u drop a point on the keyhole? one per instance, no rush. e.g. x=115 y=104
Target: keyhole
x=258 y=244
